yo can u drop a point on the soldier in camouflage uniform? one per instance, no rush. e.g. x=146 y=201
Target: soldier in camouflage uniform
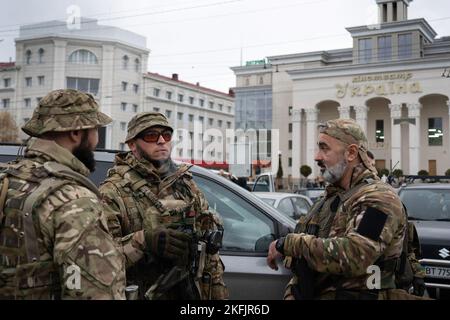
x=157 y=199
x=54 y=240
x=356 y=228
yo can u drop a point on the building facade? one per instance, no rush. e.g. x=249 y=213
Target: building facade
x=111 y=64
x=391 y=82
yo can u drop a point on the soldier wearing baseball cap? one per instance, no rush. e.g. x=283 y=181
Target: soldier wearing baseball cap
x=47 y=198
x=357 y=224
x=156 y=199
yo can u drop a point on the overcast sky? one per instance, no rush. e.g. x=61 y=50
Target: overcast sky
x=201 y=39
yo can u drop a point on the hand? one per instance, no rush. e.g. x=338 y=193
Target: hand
x=419 y=286
x=272 y=256
x=168 y=243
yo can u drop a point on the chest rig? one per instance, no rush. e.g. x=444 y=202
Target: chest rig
x=27 y=270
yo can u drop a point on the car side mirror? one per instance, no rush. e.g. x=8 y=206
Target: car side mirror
x=263 y=243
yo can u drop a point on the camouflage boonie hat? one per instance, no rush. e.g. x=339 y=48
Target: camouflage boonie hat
x=145 y=120
x=349 y=132
x=65 y=110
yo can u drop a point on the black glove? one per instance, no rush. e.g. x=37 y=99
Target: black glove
x=168 y=243
x=419 y=286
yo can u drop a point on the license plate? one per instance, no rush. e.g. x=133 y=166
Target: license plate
x=437 y=272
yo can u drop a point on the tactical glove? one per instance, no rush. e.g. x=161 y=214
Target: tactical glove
x=419 y=286
x=168 y=243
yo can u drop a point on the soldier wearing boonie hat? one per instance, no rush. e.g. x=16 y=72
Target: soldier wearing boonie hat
x=51 y=212
x=143 y=121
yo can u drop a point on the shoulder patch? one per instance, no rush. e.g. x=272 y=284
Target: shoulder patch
x=372 y=223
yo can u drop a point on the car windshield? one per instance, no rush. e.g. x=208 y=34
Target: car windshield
x=269 y=201
x=427 y=204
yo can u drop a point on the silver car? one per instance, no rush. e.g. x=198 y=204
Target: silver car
x=249 y=223
x=292 y=205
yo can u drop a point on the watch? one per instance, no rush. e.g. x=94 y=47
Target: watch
x=279 y=245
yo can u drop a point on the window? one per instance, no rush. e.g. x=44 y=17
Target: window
x=135 y=108
x=123 y=106
x=123 y=126
x=28 y=57
x=169 y=95
x=229 y=109
x=190 y=153
x=137 y=65
x=180 y=152
x=405 y=46
x=210 y=121
x=379 y=130
x=168 y=113
x=244 y=223
x=41 y=55
x=191 y=135
x=229 y=124
x=191 y=118
x=435 y=132
x=122 y=146
x=289 y=162
x=38 y=99
x=41 y=80
x=201 y=119
x=365 y=50
x=28 y=81
x=6 y=103
x=156 y=109
x=156 y=92
x=261 y=80
x=202 y=102
x=220 y=107
x=180 y=115
x=136 y=88
x=124 y=86
x=290 y=144
x=211 y=105
x=83 y=57
x=84 y=84
x=385 y=48
x=7 y=82
x=27 y=102
x=301 y=205
x=290 y=127
x=180 y=98
x=219 y=123
x=125 y=61
x=191 y=100
x=290 y=110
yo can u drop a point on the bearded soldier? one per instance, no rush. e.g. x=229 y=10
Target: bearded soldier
x=350 y=243
x=169 y=237
x=54 y=240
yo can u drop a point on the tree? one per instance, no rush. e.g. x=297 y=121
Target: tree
x=382 y=172
x=305 y=170
x=280 y=173
x=8 y=128
x=423 y=173
x=397 y=173
x=447 y=173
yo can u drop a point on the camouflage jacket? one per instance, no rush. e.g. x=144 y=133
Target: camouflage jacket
x=357 y=228
x=76 y=257
x=126 y=190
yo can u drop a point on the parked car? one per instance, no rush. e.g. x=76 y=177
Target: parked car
x=428 y=207
x=292 y=205
x=250 y=226
x=312 y=193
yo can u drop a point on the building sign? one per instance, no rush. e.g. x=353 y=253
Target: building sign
x=385 y=84
x=255 y=62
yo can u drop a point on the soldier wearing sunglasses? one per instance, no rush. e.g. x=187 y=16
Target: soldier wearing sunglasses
x=156 y=201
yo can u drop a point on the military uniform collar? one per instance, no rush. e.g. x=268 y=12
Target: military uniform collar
x=53 y=151
x=360 y=173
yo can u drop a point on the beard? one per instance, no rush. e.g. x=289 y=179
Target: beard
x=143 y=155
x=84 y=153
x=335 y=173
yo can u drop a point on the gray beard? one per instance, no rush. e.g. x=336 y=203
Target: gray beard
x=335 y=173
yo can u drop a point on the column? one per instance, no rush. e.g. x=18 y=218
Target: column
x=112 y=138
x=390 y=12
x=414 y=137
x=296 y=142
x=311 y=138
x=361 y=117
x=59 y=64
x=396 y=132
x=344 y=112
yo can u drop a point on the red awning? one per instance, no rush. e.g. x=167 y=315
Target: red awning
x=262 y=163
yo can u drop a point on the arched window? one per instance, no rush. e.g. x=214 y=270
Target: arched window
x=83 y=56
x=137 y=65
x=41 y=55
x=125 y=60
x=28 y=56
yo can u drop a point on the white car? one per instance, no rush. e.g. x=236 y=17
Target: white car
x=292 y=205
